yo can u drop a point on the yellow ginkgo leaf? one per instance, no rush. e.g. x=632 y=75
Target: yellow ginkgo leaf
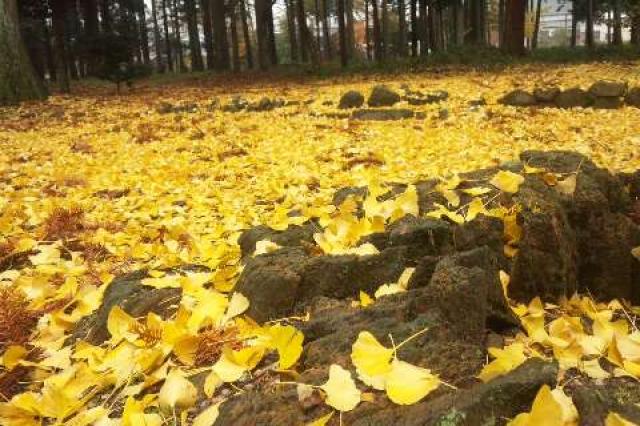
x=208 y=417
x=369 y=356
x=287 y=340
x=177 y=393
x=13 y=355
x=211 y=383
x=615 y=419
x=341 y=390
x=120 y=324
x=265 y=246
x=505 y=360
x=407 y=384
x=635 y=252
x=545 y=411
x=238 y=304
x=507 y=181
x=321 y=421
x=233 y=364
x=365 y=299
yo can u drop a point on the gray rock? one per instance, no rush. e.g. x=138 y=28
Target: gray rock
x=573 y=98
x=383 y=96
x=608 y=89
x=237 y=104
x=546 y=94
x=518 y=98
x=293 y=236
x=429 y=98
x=633 y=97
x=351 y=99
x=607 y=103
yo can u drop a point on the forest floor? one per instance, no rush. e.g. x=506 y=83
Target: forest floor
x=96 y=184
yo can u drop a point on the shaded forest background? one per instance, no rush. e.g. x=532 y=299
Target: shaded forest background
x=73 y=39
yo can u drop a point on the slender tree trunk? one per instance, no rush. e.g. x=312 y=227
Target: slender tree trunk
x=589 y=30
x=273 y=50
x=326 y=31
x=177 y=32
x=194 y=35
x=18 y=80
x=351 y=33
x=207 y=28
x=316 y=10
x=574 y=23
x=291 y=27
x=402 y=29
x=246 y=34
x=235 y=43
x=301 y=18
x=377 y=39
x=367 y=31
x=144 y=34
x=617 y=23
x=51 y=62
x=635 y=27
x=414 y=27
x=385 y=28
x=307 y=44
x=514 y=36
x=157 y=44
x=501 y=22
x=72 y=31
x=422 y=28
x=58 y=8
x=262 y=32
x=536 y=29
x=344 y=54
x=220 y=42
x=167 y=37
x=90 y=12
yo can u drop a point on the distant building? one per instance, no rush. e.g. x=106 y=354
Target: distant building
x=555 y=26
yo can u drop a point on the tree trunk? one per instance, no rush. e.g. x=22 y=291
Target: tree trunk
x=246 y=35
x=351 y=34
x=501 y=22
x=422 y=28
x=157 y=44
x=514 y=36
x=536 y=29
x=207 y=28
x=176 y=30
x=635 y=27
x=617 y=23
x=273 y=50
x=233 y=27
x=344 y=54
x=194 y=35
x=402 y=29
x=105 y=15
x=326 y=31
x=90 y=16
x=291 y=27
x=144 y=35
x=167 y=38
x=589 y=35
x=262 y=32
x=316 y=12
x=301 y=17
x=478 y=22
x=414 y=27
x=385 y=28
x=574 y=23
x=18 y=80
x=220 y=43
x=377 y=40
x=72 y=31
x=58 y=8
x=51 y=62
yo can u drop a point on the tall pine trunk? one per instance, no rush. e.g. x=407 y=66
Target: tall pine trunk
x=157 y=43
x=207 y=28
x=90 y=16
x=367 y=31
x=617 y=23
x=377 y=39
x=291 y=28
x=514 y=36
x=414 y=27
x=18 y=80
x=402 y=29
x=262 y=32
x=167 y=37
x=536 y=29
x=422 y=28
x=59 y=9
x=235 y=43
x=194 y=35
x=351 y=33
x=220 y=43
x=326 y=31
x=589 y=35
x=342 y=33
x=385 y=28
x=144 y=35
x=574 y=23
x=246 y=34
x=178 y=34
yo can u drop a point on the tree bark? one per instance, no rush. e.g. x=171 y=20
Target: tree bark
x=422 y=28
x=58 y=8
x=402 y=29
x=90 y=16
x=167 y=38
x=344 y=54
x=351 y=34
x=589 y=31
x=316 y=13
x=385 y=28
x=144 y=35
x=377 y=40
x=194 y=35
x=18 y=80
x=574 y=23
x=414 y=27
x=207 y=28
x=262 y=32
x=326 y=31
x=233 y=27
x=176 y=31
x=157 y=44
x=273 y=50
x=617 y=23
x=105 y=15
x=246 y=35
x=514 y=36
x=291 y=27
x=536 y=29
x=220 y=43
